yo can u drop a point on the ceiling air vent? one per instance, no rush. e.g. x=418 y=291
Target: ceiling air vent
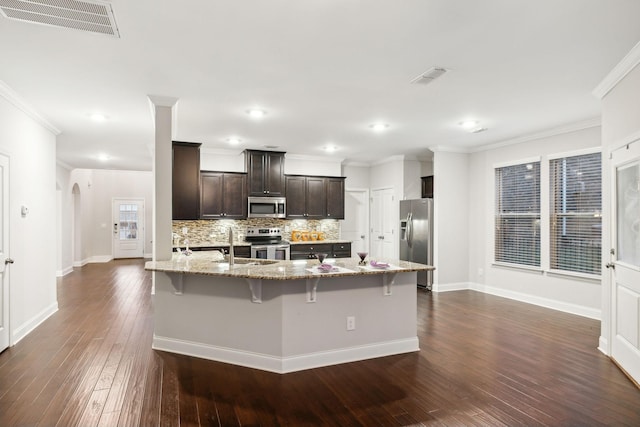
x=91 y=16
x=429 y=75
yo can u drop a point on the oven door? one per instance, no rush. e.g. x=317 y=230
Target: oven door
x=279 y=252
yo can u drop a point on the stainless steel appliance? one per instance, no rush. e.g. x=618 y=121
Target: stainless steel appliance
x=267 y=207
x=416 y=236
x=267 y=243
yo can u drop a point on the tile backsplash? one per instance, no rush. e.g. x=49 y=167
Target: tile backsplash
x=204 y=232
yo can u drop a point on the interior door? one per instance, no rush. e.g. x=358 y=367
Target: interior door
x=128 y=228
x=5 y=261
x=356 y=220
x=625 y=271
x=383 y=221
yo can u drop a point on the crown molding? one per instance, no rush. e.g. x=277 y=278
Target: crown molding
x=619 y=72
x=560 y=130
x=356 y=164
x=14 y=98
x=449 y=149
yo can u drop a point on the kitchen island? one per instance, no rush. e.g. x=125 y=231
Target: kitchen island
x=284 y=316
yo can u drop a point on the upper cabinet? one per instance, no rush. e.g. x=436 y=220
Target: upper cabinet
x=223 y=195
x=315 y=197
x=335 y=197
x=427 y=186
x=265 y=170
x=186 y=180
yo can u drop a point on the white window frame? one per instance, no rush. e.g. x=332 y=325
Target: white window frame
x=508 y=264
x=545 y=217
x=574 y=153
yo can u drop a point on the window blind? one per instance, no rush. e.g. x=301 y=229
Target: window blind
x=517 y=220
x=575 y=209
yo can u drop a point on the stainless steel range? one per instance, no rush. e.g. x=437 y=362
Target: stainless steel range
x=267 y=243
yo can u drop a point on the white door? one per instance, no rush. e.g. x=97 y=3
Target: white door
x=5 y=261
x=356 y=220
x=383 y=221
x=128 y=228
x=625 y=271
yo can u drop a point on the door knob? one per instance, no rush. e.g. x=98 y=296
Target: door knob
x=8 y=261
x=611 y=265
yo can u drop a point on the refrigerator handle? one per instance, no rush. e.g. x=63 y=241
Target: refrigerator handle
x=410 y=229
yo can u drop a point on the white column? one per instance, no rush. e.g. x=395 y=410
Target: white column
x=162 y=108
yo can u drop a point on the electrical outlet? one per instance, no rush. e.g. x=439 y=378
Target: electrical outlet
x=351 y=323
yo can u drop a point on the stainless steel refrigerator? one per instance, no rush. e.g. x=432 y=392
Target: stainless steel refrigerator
x=416 y=236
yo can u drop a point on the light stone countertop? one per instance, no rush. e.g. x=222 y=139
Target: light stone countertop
x=202 y=263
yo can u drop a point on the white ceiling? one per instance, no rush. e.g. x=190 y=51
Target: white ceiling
x=323 y=69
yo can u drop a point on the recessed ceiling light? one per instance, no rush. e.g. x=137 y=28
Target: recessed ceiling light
x=103 y=157
x=469 y=124
x=233 y=140
x=330 y=148
x=379 y=127
x=256 y=113
x=97 y=117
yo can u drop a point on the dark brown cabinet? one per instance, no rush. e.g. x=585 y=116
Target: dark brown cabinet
x=265 y=171
x=427 y=186
x=186 y=180
x=223 y=195
x=315 y=197
x=335 y=197
x=306 y=197
x=309 y=251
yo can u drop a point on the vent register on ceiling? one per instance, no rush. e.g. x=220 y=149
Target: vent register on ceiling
x=91 y=16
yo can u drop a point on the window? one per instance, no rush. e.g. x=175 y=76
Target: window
x=575 y=213
x=517 y=221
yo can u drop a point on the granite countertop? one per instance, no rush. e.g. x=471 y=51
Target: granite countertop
x=203 y=263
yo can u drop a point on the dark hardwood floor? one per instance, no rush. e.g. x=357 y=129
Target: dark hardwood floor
x=484 y=361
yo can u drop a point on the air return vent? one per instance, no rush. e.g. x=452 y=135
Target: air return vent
x=429 y=75
x=91 y=16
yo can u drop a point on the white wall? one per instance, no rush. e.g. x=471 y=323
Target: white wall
x=356 y=176
x=412 y=185
x=31 y=148
x=580 y=296
x=98 y=188
x=451 y=219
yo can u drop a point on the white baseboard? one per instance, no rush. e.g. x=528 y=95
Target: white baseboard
x=64 y=272
x=448 y=287
x=23 y=330
x=81 y=263
x=603 y=345
x=283 y=365
x=580 y=310
x=100 y=258
x=148 y=256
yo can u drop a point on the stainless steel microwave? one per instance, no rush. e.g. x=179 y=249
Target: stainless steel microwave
x=267 y=207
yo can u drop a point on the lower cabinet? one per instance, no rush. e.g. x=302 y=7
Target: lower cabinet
x=309 y=251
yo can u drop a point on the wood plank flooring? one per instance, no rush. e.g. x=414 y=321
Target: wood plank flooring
x=484 y=361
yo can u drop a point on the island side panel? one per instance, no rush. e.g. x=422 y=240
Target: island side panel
x=380 y=320
x=216 y=313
